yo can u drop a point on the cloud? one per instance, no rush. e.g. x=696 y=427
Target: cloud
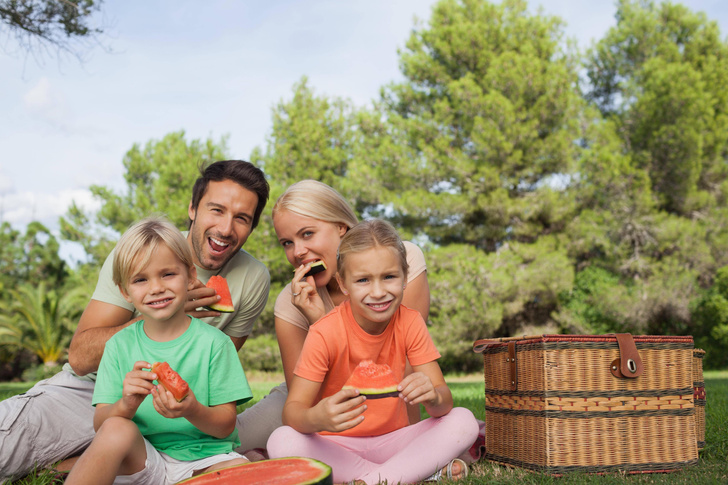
x=47 y=103
x=6 y=183
x=19 y=208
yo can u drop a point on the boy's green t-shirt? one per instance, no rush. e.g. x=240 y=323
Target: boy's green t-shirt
x=204 y=357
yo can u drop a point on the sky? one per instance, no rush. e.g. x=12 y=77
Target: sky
x=210 y=68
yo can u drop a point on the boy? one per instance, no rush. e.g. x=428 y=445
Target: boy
x=160 y=440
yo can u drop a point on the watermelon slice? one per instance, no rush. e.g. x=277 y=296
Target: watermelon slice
x=219 y=284
x=316 y=268
x=171 y=381
x=278 y=471
x=375 y=381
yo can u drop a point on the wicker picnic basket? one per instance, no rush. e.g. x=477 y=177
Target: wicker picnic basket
x=594 y=403
x=699 y=396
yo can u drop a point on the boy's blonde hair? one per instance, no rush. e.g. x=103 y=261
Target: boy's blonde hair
x=314 y=199
x=138 y=244
x=371 y=234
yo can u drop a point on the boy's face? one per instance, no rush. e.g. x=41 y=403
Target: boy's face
x=159 y=290
x=375 y=281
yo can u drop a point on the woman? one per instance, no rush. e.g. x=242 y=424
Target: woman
x=310 y=218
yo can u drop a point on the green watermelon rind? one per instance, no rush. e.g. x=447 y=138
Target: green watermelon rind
x=226 y=475
x=220 y=308
x=362 y=375
x=377 y=393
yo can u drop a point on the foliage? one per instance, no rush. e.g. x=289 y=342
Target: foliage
x=41 y=319
x=65 y=25
x=710 y=322
x=32 y=256
x=484 y=126
x=260 y=353
x=159 y=179
x=660 y=73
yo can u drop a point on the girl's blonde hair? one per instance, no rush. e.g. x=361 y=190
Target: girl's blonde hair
x=314 y=199
x=368 y=235
x=139 y=243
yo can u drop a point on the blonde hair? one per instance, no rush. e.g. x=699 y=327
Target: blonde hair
x=314 y=199
x=138 y=244
x=368 y=235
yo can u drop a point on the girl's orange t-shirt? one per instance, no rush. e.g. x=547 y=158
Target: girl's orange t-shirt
x=336 y=344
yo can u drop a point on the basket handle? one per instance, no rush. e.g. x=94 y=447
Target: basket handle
x=629 y=364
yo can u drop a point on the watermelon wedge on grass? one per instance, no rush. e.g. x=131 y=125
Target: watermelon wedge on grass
x=278 y=471
x=219 y=284
x=375 y=381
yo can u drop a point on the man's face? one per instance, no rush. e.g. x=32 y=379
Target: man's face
x=221 y=223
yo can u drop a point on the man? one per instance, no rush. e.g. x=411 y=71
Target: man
x=54 y=419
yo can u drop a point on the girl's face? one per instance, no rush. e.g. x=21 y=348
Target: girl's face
x=374 y=280
x=306 y=240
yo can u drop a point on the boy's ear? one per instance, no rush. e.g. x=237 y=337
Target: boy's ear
x=124 y=293
x=192 y=274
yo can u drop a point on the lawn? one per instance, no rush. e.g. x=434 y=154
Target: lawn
x=468 y=392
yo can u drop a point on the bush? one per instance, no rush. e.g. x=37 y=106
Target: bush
x=40 y=372
x=710 y=322
x=261 y=353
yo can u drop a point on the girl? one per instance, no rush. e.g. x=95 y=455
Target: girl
x=369 y=440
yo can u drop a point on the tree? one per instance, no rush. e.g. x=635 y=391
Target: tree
x=65 y=25
x=660 y=74
x=31 y=257
x=159 y=179
x=484 y=126
x=41 y=320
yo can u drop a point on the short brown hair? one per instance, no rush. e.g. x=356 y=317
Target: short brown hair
x=242 y=173
x=371 y=234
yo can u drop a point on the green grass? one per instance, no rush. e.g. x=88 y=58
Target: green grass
x=468 y=392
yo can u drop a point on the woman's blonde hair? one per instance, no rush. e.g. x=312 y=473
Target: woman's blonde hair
x=368 y=235
x=139 y=243
x=314 y=199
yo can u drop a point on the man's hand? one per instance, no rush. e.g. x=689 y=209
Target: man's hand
x=201 y=296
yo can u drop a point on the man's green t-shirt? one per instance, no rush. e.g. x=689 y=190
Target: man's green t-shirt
x=204 y=357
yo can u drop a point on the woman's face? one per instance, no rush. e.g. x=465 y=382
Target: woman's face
x=306 y=240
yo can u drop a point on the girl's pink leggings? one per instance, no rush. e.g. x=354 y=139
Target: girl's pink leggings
x=408 y=455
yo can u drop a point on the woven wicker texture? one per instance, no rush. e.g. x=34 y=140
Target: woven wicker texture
x=699 y=396
x=570 y=413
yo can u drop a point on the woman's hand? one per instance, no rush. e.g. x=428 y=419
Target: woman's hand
x=305 y=297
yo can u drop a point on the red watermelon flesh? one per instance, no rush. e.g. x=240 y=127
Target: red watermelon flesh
x=278 y=471
x=171 y=380
x=375 y=381
x=219 y=284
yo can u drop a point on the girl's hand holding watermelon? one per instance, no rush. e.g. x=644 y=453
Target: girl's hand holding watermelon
x=418 y=388
x=335 y=413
